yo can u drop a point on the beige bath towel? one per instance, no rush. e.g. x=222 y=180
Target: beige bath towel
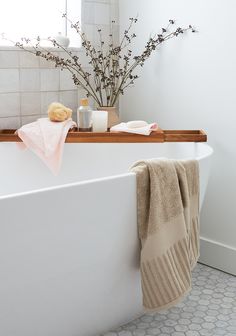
x=168 y=213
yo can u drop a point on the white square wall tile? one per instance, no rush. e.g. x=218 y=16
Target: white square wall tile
x=29 y=119
x=101 y=1
x=30 y=103
x=70 y=99
x=49 y=79
x=9 y=80
x=66 y=81
x=88 y=29
x=74 y=116
x=46 y=99
x=105 y=32
x=9 y=104
x=28 y=60
x=43 y=63
x=83 y=59
x=114 y=12
x=88 y=13
x=9 y=59
x=102 y=14
x=9 y=122
x=29 y=80
x=116 y=34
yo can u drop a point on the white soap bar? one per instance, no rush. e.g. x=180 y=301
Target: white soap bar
x=136 y=124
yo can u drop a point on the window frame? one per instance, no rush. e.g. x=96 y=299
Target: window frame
x=73 y=49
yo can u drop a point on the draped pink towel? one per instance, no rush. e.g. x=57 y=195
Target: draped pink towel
x=46 y=139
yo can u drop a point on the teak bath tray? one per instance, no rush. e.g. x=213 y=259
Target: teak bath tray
x=160 y=135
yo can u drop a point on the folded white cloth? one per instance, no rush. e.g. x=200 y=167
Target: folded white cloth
x=145 y=130
x=46 y=139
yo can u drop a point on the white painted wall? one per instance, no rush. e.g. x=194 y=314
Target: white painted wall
x=191 y=83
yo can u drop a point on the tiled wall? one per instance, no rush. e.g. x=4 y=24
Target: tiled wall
x=29 y=84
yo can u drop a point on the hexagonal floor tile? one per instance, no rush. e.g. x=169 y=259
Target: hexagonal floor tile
x=208 y=310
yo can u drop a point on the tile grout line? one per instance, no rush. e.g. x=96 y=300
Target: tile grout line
x=38 y=67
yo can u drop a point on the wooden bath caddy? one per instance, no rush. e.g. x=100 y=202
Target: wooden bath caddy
x=159 y=135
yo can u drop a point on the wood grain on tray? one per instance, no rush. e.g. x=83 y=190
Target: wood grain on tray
x=9 y=135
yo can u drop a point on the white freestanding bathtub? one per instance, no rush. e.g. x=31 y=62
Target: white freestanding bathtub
x=69 y=251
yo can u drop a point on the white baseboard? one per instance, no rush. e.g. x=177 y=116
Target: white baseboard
x=218 y=255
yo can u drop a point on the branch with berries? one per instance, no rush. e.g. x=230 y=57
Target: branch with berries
x=112 y=65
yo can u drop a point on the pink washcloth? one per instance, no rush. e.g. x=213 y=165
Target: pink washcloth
x=145 y=130
x=46 y=139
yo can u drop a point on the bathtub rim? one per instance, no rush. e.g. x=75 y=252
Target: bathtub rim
x=209 y=153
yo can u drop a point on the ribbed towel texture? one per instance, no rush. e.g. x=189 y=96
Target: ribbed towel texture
x=168 y=225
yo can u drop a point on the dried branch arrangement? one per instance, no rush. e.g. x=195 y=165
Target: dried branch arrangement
x=113 y=66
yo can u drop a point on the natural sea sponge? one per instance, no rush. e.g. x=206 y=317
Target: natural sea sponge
x=58 y=112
